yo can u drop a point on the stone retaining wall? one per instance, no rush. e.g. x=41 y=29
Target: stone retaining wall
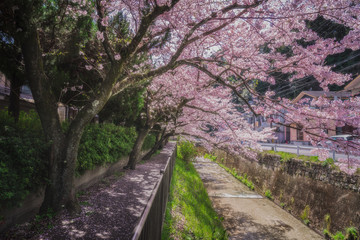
x=296 y=184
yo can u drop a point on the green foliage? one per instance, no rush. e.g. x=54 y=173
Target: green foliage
x=211 y=157
x=103 y=143
x=149 y=142
x=23 y=152
x=352 y=233
x=244 y=179
x=124 y=108
x=327 y=234
x=305 y=215
x=327 y=220
x=268 y=194
x=189 y=212
x=338 y=236
x=186 y=151
x=23 y=156
x=328 y=162
x=285 y=156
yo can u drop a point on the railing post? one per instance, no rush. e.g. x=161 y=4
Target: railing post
x=298 y=150
x=334 y=155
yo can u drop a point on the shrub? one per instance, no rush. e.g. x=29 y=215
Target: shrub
x=352 y=233
x=23 y=157
x=268 y=194
x=23 y=152
x=211 y=157
x=103 y=143
x=186 y=151
x=149 y=142
x=327 y=219
x=305 y=215
x=338 y=236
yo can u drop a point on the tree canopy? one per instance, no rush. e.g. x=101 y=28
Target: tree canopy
x=200 y=52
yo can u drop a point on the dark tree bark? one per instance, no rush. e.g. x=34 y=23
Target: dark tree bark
x=136 y=151
x=159 y=144
x=14 y=101
x=60 y=191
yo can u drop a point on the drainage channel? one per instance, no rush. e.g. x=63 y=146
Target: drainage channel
x=245 y=196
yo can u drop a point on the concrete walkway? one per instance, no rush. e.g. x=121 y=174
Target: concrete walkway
x=111 y=208
x=247 y=215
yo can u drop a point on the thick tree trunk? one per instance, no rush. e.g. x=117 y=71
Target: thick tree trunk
x=60 y=192
x=136 y=151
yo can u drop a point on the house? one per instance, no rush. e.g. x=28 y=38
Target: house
x=315 y=94
x=354 y=87
x=297 y=136
x=281 y=134
x=27 y=101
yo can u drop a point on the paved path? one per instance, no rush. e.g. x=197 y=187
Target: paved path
x=246 y=214
x=111 y=209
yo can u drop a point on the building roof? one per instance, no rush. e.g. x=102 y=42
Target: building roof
x=316 y=94
x=354 y=84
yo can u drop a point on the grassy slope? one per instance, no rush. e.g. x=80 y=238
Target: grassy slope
x=189 y=214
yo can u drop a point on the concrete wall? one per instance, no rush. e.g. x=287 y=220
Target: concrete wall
x=296 y=184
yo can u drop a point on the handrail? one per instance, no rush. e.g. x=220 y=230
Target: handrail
x=145 y=215
x=297 y=147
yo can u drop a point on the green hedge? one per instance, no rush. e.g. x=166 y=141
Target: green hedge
x=149 y=142
x=104 y=143
x=23 y=152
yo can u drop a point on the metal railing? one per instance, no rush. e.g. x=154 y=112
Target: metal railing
x=150 y=224
x=275 y=148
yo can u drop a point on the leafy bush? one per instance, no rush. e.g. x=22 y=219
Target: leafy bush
x=268 y=194
x=305 y=215
x=23 y=152
x=23 y=157
x=211 y=157
x=186 y=151
x=285 y=156
x=103 y=143
x=338 y=236
x=352 y=233
x=149 y=142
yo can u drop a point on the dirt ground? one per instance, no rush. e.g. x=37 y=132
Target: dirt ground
x=247 y=215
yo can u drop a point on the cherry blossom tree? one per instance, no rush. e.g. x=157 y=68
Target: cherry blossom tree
x=219 y=40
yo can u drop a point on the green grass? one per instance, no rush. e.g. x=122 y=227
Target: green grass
x=285 y=156
x=242 y=178
x=189 y=213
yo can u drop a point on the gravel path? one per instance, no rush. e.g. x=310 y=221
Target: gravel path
x=110 y=209
x=247 y=215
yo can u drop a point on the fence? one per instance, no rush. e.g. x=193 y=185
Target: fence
x=295 y=149
x=150 y=224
